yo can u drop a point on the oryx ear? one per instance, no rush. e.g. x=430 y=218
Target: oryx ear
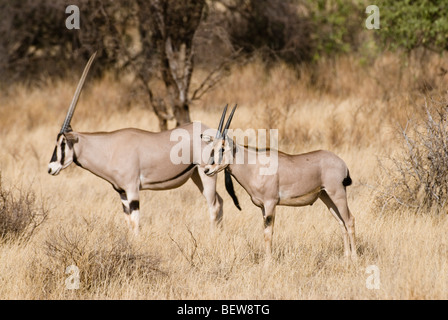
x=72 y=138
x=206 y=137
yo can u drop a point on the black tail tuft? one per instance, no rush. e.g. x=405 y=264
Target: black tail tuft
x=230 y=190
x=347 y=180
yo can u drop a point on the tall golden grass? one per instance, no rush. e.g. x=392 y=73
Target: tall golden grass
x=341 y=105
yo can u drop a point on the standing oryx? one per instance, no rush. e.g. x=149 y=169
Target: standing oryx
x=133 y=160
x=298 y=180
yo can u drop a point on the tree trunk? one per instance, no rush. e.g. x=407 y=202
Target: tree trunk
x=172 y=26
x=182 y=114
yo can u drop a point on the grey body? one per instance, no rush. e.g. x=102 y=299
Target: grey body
x=133 y=160
x=299 y=180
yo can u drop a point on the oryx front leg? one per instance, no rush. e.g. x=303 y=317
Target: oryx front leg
x=131 y=208
x=268 y=222
x=207 y=186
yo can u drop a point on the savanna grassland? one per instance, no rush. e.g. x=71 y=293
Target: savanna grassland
x=354 y=109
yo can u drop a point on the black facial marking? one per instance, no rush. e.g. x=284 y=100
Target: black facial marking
x=54 y=157
x=134 y=205
x=62 y=152
x=211 y=160
x=221 y=151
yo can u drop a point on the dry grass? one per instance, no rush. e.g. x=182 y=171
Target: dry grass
x=342 y=106
x=417 y=176
x=20 y=214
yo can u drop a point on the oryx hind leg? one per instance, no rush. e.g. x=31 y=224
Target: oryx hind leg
x=268 y=211
x=337 y=205
x=207 y=186
x=131 y=209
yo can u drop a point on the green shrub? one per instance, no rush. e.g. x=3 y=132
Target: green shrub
x=411 y=24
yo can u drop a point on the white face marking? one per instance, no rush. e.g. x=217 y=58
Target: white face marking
x=54 y=168
x=62 y=157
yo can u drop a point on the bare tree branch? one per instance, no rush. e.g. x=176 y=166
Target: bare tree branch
x=214 y=77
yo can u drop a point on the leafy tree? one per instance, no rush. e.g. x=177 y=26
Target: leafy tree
x=411 y=24
x=337 y=25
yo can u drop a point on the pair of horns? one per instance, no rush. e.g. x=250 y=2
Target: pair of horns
x=222 y=132
x=66 y=125
x=71 y=109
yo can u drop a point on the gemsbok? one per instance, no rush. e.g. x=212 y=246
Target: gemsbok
x=298 y=180
x=133 y=160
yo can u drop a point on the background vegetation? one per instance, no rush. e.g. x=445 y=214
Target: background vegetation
x=311 y=69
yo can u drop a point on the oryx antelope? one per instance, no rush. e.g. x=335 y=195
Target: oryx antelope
x=298 y=181
x=132 y=160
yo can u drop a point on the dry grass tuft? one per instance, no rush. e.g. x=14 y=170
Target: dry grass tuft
x=417 y=176
x=21 y=213
x=84 y=261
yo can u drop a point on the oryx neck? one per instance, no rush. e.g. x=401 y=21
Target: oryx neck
x=240 y=168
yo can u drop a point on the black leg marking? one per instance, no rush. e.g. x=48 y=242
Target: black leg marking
x=126 y=209
x=123 y=198
x=268 y=221
x=134 y=205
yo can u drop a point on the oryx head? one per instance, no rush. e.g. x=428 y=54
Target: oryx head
x=221 y=154
x=63 y=153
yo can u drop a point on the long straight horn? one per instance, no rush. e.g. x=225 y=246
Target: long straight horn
x=229 y=120
x=221 y=122
x=71 y=110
